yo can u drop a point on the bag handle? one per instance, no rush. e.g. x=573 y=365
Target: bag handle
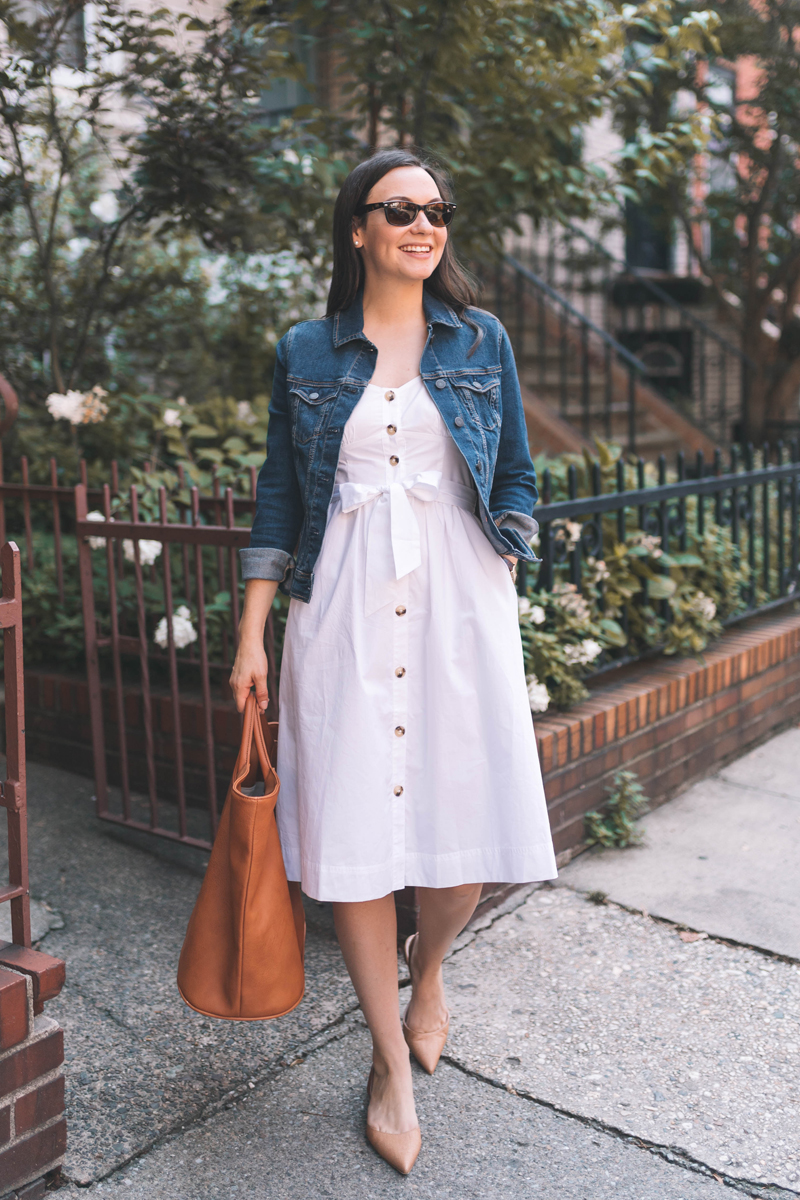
x=252 y=731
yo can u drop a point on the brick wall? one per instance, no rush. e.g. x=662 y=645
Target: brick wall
x=33 y=1129
x=672 y=722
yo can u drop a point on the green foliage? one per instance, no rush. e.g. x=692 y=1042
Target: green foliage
x=500 y=93
x=615 y=824
x=745 y=191
x=156 y=259
x=637 y=598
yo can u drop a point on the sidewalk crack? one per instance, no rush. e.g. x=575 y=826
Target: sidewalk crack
x=674 y=1155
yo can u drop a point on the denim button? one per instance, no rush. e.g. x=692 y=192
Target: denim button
x=440 y=383
x=478 y=466
x=459 y=421
x=313 y=395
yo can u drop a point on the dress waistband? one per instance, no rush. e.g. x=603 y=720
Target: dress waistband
x=393 y=521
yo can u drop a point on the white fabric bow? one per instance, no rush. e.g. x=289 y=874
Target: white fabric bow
x=393 y=538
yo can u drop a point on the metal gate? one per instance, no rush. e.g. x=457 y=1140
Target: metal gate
x=161 y=618
x=13 y=793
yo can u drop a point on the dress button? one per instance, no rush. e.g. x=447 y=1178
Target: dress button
x=459 y=421
x=391 y=429
x=440 y=383
x=394 y=460
x=399 y=731
x=388 y=395
x=400 y=610
x=400 y=672
x=398 y=791
x=313 y=395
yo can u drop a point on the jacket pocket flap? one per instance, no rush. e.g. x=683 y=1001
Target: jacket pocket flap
x=314 y=393
x=479 y=385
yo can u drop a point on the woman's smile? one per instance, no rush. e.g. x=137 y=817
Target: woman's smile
x=418 y=248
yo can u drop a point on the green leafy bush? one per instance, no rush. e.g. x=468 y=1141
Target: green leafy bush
x=637 y=598
x=615 y=824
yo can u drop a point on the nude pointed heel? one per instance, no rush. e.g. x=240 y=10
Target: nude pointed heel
x=426 y=1047
x=399 y=1150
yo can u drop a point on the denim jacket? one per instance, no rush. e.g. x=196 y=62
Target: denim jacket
x=322 y=369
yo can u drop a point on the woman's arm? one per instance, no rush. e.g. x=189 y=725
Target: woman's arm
x=514 y=491
x=279 y=504
x=250 y=666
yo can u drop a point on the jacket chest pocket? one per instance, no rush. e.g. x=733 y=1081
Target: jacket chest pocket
x=310 y=404
x=481 y=398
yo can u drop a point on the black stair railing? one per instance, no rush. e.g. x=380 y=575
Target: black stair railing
x=565 y=356
x=704 y=374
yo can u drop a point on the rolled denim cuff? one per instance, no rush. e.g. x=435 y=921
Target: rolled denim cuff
x=524 y=525
x=264 y=562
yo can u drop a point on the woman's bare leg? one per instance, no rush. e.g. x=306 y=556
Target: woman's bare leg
x=443 y=913
x=367 y=934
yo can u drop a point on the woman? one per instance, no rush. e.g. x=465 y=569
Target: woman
x=393 y=505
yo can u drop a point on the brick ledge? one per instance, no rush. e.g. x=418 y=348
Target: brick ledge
x=673 y=721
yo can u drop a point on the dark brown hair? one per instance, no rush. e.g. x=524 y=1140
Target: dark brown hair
x=449 y=282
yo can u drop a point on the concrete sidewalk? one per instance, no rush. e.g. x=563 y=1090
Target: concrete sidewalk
x=594 y=1052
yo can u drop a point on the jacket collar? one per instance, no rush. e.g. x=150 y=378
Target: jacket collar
x=348 y=325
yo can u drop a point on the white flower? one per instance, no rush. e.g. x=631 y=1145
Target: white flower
x=570 y=599
x=94 y=409
x=172 y=418
x=530 y=612
x=78 y=408
x=649 y=542
x=105 y=208
x=584 y=653
x=67 y=407
x=96 y=543
x=245 y=414
x=77 y=246
x=574 y=531
x=704 y=605
x=537 y=694
x=183 y=632
x=291 y=156
x=598 y=568
x=148 y=551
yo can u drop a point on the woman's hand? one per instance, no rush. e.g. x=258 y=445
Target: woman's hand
x=250 y=666
x=250 y=671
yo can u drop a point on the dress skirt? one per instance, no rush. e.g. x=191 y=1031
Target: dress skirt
x=406 y=753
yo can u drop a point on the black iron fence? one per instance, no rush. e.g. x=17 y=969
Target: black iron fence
x=753 y=503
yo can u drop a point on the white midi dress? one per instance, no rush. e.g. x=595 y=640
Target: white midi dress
x=406 y=753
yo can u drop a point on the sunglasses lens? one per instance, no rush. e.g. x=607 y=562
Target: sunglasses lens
x=439 y=214
x=400 y=213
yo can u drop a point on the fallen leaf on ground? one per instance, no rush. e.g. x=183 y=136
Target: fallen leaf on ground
x=686 y=935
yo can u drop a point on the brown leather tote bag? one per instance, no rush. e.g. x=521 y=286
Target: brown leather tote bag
x=242 y=957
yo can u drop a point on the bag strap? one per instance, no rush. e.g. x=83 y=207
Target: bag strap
x=252 y=731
